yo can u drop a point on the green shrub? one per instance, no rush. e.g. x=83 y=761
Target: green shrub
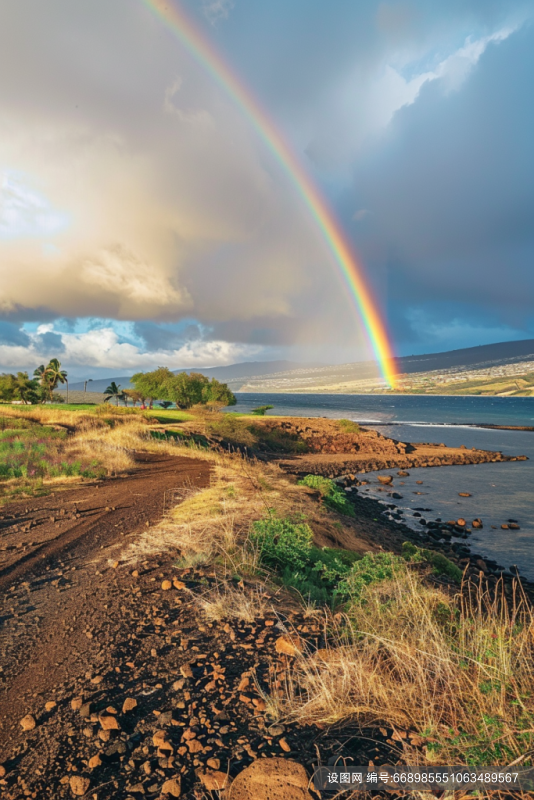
x=439 y=563
x=318 y=579
x=372 y=568
x=333 y=497
x=282 y=543
x=260 y=410
x=348 y=426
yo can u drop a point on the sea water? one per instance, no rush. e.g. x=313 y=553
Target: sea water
x=499 y=492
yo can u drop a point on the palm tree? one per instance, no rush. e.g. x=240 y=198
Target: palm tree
x=55 y=375
x=114 y=391
x=42 y=376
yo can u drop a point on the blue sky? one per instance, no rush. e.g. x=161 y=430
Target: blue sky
x=142 y=222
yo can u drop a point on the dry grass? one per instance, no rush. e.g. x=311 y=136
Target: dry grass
x=459 y=674
x=226 y=602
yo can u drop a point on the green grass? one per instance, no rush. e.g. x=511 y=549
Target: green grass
x=169 y=415
x=32 y=451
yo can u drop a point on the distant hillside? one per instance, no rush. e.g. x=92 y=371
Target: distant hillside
x=360 y=376
x=235 y=373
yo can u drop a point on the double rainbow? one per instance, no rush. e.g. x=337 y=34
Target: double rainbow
x=175 y=19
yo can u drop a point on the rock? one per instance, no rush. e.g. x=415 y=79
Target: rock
x=214 y=780
x=166 y=585
x=385 y=479
x=76 y=703
x=194 y=746
x=28 y=723
x=173 y=786
x=79 y=785
x=109 y=722
x=85 y=710
x=95 y=761
x=464 y=494
x=514 y=526
x=420 y=483
x=129 y=704
x=186 y=670
x=477 y=523
x=460 y=522
x=284 y=745
x=271 y=779
x=2 y=771
x=178 y=584
x=289 y=646
x=504 y=527
x=50 y=705
x=159 y=738
x=403 y=474
x=97 y=680
x=213 y=763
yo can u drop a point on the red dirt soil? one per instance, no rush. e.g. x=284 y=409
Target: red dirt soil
x=50 y=546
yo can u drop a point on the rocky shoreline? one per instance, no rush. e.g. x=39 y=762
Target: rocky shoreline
x=448 y=537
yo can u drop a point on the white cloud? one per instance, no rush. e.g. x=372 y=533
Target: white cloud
x=102 y=348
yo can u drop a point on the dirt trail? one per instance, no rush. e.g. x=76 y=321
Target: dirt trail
x=53 y=582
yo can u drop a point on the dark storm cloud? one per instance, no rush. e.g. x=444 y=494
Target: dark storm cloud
x=11 y=334
x=449 y=191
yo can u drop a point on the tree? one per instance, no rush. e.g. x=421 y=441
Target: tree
x=183 y=389
x=55 y=375
x=153 y=384
x=134 y=396
x=114 y=391
x=7 y=387
x=26 y=389
x=49 y=377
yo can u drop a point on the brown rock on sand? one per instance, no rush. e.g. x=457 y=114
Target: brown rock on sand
x=79 y=785
x=28 y=723
x=271 y=779
x=173 y=787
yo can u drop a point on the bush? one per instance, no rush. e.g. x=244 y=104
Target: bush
x=373 y=568
x=282 y=543
x=440 y=564
x=260 y=410
x=318 y=579
x=348 y=426
x=333 y=497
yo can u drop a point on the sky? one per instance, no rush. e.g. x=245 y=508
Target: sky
x=143 y=222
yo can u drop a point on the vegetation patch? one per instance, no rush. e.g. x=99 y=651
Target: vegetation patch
x=439 y=563
x=348 y=426
x=332 y=495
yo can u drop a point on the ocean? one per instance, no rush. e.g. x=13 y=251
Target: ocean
x=499 y=492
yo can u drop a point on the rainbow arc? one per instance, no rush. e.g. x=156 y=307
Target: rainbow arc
x=175 y=19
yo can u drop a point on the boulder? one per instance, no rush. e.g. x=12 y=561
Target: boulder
x=271 y=779
x=386 y=479
x=79 y=785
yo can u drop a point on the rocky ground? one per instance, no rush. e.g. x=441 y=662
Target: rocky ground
x=115 y=684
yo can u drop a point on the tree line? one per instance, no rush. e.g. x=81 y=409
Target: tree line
x=160 y=385
x=38 y=389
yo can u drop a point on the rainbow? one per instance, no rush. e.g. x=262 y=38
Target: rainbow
x=176 y=21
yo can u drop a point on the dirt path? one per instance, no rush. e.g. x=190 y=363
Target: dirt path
x=53 y=581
